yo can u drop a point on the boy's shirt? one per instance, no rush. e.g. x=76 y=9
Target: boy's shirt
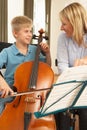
x=11 y=58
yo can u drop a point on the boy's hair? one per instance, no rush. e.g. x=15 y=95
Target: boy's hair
x=21 y=21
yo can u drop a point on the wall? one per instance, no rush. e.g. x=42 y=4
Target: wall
x=55 y=29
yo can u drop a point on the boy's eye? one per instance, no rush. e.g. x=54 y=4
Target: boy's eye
x=31 y=31
x=26 y=30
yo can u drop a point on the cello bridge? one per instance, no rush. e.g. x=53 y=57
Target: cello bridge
x=30 y=99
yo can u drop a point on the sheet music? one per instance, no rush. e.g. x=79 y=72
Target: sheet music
x=63 y=95
x=82 y=101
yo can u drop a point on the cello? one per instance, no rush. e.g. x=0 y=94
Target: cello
x=19 y=114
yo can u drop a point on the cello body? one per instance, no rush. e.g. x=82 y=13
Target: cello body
x=12 y=117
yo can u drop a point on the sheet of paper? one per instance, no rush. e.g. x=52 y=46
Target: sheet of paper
x=82 y=101
x=63 y=95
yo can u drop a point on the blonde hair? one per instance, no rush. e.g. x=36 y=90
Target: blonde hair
x=77 y=16
x=20 y=21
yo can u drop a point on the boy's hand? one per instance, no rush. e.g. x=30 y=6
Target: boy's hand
x=4 y=88
x=5 y=91
x=44 y=47
x=46 y=50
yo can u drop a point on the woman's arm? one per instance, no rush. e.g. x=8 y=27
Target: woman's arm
x=62 y=54
x=82 y=61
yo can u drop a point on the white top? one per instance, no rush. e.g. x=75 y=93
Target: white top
x=68 y=51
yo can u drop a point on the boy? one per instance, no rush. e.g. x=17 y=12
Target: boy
x=21 y=51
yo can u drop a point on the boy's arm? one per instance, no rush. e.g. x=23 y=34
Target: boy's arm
x=4 y=87
x=48 y=59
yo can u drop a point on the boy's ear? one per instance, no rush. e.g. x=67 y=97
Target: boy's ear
x=14 y=33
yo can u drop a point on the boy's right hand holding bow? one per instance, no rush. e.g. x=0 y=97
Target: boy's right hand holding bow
x=4 y=88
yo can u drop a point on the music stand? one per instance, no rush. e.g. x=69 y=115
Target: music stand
x=69 y=92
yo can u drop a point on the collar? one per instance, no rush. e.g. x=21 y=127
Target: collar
x=16 y=51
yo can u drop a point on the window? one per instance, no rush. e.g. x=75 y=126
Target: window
x=39 y=15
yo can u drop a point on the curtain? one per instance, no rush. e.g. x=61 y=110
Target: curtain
x=3 y=20
x=48 y=19
x=28 y=8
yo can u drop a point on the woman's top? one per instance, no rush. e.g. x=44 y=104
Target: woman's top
x=68 y=51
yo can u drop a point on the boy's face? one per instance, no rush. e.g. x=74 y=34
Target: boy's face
x=24 y=35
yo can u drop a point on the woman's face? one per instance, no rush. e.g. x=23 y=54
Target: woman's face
x=67 y=27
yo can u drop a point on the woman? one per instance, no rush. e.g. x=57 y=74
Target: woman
x=72 y=51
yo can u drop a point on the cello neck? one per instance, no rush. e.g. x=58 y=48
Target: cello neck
x=34 y=74
x=33 y=78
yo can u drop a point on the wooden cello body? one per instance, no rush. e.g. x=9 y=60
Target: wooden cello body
x=12 y=118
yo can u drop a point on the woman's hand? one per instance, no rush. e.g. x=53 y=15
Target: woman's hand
x=82 y=61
